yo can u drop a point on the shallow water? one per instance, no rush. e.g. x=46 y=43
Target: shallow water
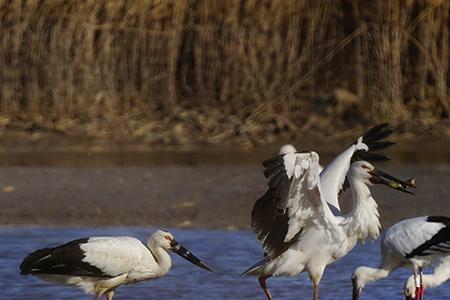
x=228 y=252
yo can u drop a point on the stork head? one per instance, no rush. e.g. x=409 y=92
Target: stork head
x=285 y=149
x=359 y=281
x=362 y=170
x=166 y=241
x=162 y=239
x=370 y=175
x=410 y=289
x=363 y=275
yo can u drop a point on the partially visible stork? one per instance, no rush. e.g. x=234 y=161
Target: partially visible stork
x=414 y=243
x=439 y=276
x=98 y=265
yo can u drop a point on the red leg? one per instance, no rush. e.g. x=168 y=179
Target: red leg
x=109 y=295
x=262 y=283
x=421 y=293
x=316 y=291
x=418 y=284
x=422 y=289
x=417 y=293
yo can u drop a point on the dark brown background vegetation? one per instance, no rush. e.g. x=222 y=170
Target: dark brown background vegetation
x=229 y=72
x=194 y=72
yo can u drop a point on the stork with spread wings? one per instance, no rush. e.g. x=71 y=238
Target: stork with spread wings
x=298 y=220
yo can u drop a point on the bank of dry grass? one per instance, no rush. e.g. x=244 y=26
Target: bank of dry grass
x=245 y=72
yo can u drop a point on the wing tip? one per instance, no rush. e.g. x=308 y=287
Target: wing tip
x=378 y=133
x=253 y=268
x=26 y=266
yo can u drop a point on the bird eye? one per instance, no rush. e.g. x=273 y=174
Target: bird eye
x=365 y=167
x=168 y=238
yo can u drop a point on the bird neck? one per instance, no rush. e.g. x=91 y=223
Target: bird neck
x=333 y=176
x=363 y=222
x=432 y=280
x=161 y=257
x=369 y=274
x=440 y=275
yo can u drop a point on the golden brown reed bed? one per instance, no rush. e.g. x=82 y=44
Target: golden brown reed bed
x=235 y=72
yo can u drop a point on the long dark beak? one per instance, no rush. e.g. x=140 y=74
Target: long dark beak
x=186 y=254
x=380 y=177
x=356 y=292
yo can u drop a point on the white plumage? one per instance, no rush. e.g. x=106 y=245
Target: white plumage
x=413 y=243
x=98 y=265
x=119 y=255
x=333 y=176
x=288 y=148
x=294 y=222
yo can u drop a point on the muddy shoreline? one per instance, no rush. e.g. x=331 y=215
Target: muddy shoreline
x=204 y=196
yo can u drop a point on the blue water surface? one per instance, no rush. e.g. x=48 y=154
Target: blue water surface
x=228 y=252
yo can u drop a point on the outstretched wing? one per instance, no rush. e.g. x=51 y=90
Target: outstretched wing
x=332 y=177
x=291 y=204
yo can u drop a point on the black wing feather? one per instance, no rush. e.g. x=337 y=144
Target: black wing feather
x=380 y=134
x=375 y=146
x=269 y=215
x=275 y=180
x=272 y=161
x=374 y=129
x=274 y=169
x=271 y=225
x=369 y=156
x=66 y=259
x=439 y=243
x=374 y=139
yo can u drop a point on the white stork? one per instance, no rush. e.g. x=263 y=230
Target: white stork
x=296 y=226
x=439 y=276
x=293 y=227
x=98 y=265
x=413 y=243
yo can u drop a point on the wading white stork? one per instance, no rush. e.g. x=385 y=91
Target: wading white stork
x=271 y=217
x=439 y=276
x=413 y=243
x=98 y=265
x=295 y=224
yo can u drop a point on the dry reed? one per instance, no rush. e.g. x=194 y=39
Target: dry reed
x=211 y=71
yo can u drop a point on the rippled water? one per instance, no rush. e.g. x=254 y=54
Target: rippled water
x=228 y=252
